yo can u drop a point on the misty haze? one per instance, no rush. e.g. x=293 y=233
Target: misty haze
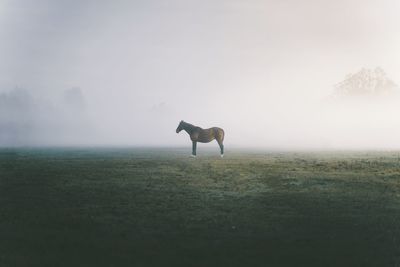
x=199 y=133
x=138 y=69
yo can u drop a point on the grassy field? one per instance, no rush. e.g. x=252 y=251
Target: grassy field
x=158 y=207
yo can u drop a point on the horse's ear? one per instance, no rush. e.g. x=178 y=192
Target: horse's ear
x=181 y=120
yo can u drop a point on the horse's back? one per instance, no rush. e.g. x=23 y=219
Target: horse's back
x=207 y=135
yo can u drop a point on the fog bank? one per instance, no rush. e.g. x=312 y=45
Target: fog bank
x=274 y=74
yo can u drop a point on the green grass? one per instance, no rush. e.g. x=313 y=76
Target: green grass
x=158 y=207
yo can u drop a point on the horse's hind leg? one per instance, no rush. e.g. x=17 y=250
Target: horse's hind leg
x=221 y=146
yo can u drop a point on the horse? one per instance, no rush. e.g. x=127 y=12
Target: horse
x=198 y=134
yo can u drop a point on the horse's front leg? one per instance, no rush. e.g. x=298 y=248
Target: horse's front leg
x=194 y=148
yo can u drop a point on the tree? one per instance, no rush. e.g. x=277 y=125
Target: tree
x=365 y=82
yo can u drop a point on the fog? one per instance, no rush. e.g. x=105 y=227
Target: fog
x=273 y=74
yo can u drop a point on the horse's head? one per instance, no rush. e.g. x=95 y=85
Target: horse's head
x=180 y=127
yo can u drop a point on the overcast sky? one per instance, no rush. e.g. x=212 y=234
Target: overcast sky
x=258 y=69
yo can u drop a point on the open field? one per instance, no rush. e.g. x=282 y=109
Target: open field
x=158 y=207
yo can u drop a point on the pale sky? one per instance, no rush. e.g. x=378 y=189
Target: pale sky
x=258 y=69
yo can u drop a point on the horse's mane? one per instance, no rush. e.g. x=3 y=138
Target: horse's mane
x=190 y=126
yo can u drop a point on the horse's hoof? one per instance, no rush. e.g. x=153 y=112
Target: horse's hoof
x=192 y=156
x=222 y=155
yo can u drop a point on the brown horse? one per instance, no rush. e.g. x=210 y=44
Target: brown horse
x=198 y=134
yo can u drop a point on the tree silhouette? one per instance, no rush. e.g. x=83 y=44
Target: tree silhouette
x=365 y=82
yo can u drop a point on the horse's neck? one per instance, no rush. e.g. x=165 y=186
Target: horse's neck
x=189 y=128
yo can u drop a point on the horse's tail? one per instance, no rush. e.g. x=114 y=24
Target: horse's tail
x=221 y=135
